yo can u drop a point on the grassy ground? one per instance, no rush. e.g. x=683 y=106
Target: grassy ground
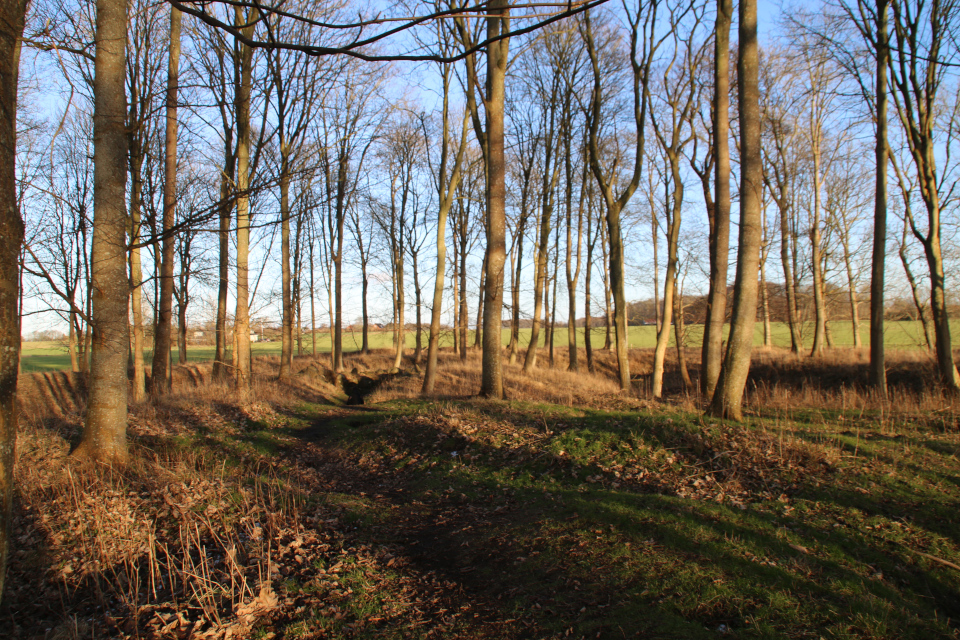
x=53 y=356
x=288 y=514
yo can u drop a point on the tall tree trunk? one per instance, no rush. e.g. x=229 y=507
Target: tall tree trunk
x=136 y=280
x=223 y=266
x=462 y=323
x=719 y=241
x=12 y=16
x=159 y=382
x=679 y=336
x=286 y=331
x=105 y=427
x=182 y=328
x=819 y=303
x=478 y=332
x=607 y=302
x=852 y=294
x=789 y=283
x=728 y=396
x=878 y=373
x=241 y=328
x=418 y=341
x=498 y=23
x=587 y=278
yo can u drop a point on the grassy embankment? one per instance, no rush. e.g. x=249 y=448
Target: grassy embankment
x=569 y=511
x=52 y=356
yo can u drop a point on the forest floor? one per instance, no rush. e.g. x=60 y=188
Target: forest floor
x=352 y=508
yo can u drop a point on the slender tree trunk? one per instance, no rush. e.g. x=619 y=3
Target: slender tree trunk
x=719 y=241
x=656 y=269
x=679 y=335
x=418 y=343
x=313 y=305
x=433 y=342
x=765 y=305
x=159 y=382
x=789 y=284
x=852 y=294
x=72 y=339
x=223 y=267
x=182 y=328
x=12 y=15
x=878 y=373
x=607 y=302
x=400 y=324
x=478 y=333
x=105 y=427
x=819 y=304
x=728 y=396
x=286 y=331
x=587 y=278
x=498 y=22
x=462 y=323
x=918 y=303
x=136 y=279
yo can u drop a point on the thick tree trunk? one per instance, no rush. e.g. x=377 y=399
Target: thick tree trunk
x=498 y=22
x=11 y=238
x=241 y=328
x=159 y=377
x=719 y=241
x=728 y=396
x=105 y=427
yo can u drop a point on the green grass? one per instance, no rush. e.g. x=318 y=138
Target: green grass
x=623 y=524
x=52 y=356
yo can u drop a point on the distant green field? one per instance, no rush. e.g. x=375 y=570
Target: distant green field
x=52 y=356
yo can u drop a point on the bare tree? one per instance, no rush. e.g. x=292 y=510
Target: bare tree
x=728 y=396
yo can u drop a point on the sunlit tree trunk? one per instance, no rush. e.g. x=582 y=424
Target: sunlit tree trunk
x=719 y=239
x=728 y=396
x=878 y=373
x=241 y=328
x=159 y=380
x=105 y=426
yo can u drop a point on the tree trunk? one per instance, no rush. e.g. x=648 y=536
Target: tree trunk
x=241 y=329
x=105 y=427
x=878 y=373
x=478 y=332
x=286 y=331
x=12 y=16
x=159 y=382
x=789 y=285
x=136 y=279
x=418 y=342
x=223 y=267
x=728 y=396
x=498 y=23
x=819 y=304
x=463 y=324
x=719 y=240
x=679 y=335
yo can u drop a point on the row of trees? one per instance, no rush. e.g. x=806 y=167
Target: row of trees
x=217 y=127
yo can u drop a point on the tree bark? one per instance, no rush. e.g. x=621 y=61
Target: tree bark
x=286 y=331
x=491 y=378
x=241 y=327
x=878 y=372
x=159 y=382
x=105 y=427
x=719 y=240
x=12 y=15
x=728 y=396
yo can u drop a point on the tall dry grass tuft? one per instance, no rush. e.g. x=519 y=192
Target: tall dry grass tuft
x=179 y=543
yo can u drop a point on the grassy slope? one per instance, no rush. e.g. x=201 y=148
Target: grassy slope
x=51 y=356
x=474 y=519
